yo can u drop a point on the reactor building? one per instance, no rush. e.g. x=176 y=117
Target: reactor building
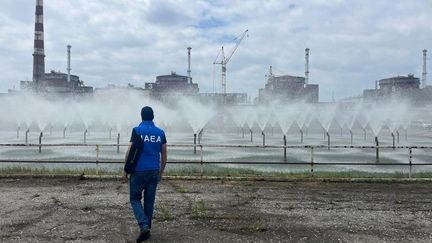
x=167 y=87
x=174 y=84
x=287 y=88
x=408 y=88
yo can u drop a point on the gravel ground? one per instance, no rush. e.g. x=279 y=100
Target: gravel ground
x=73 y=210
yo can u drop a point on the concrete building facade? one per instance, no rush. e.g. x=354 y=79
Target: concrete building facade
x=401 y=88
x=288 y=88
x=57 y=82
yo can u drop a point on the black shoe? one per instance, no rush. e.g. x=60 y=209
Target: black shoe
x=143 y=236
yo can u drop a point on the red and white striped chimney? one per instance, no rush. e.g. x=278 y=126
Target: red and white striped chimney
x=39 y=53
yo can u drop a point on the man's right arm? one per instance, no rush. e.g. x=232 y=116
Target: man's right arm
x=134 y=136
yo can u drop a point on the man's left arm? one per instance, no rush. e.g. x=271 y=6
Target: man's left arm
x=163 y=159
x=125 y=175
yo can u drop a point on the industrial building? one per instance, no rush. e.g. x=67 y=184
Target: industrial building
x=172 y=83
x=401 y=88
x=288 y=88
x=168 y=88
x=57 y=82
x=408 y=88
x=53 y=82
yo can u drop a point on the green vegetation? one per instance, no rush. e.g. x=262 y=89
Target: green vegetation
x=199 y=210
x=241 y=172
x=27 y=170
x=162 y=212
x=211 y=171
x=179 y=188
x=257 y=226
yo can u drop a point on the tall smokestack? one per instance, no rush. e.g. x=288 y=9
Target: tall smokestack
x=39 y=53
x=307 y=66
x=189 y=64
x=69 y=62
x=424 y=74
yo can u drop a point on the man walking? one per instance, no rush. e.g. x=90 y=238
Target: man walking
x=148 y=172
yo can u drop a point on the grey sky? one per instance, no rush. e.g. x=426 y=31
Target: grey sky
x=352 y=43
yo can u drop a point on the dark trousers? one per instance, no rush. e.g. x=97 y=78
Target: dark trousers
x=146 y=182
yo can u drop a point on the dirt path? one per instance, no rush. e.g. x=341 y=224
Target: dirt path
x=72 y=210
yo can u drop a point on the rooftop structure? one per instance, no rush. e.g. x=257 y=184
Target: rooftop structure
x=399 y=87
x=57 y=82
x=288 y=88
x=173 y=83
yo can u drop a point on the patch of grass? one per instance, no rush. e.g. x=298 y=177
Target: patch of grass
x=212 y=170
x=41 y=170
x=179 y=188
x=163 y=214
x=257 y=226
x=240 y=201
x=241 y=172
x=199 y=210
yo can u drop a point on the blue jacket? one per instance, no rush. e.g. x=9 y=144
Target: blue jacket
x=153 y=138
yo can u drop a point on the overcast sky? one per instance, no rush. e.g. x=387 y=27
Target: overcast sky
x=118 y=42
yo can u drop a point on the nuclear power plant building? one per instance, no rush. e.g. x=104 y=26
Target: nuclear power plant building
x=57 y=82
x=288 y=88
x=53 y=82
x=401 y=88
x=172 y=85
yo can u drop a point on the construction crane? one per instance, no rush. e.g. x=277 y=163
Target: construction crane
x=224 y=60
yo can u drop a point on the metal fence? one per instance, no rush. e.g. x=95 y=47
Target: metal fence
x=199 y=150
